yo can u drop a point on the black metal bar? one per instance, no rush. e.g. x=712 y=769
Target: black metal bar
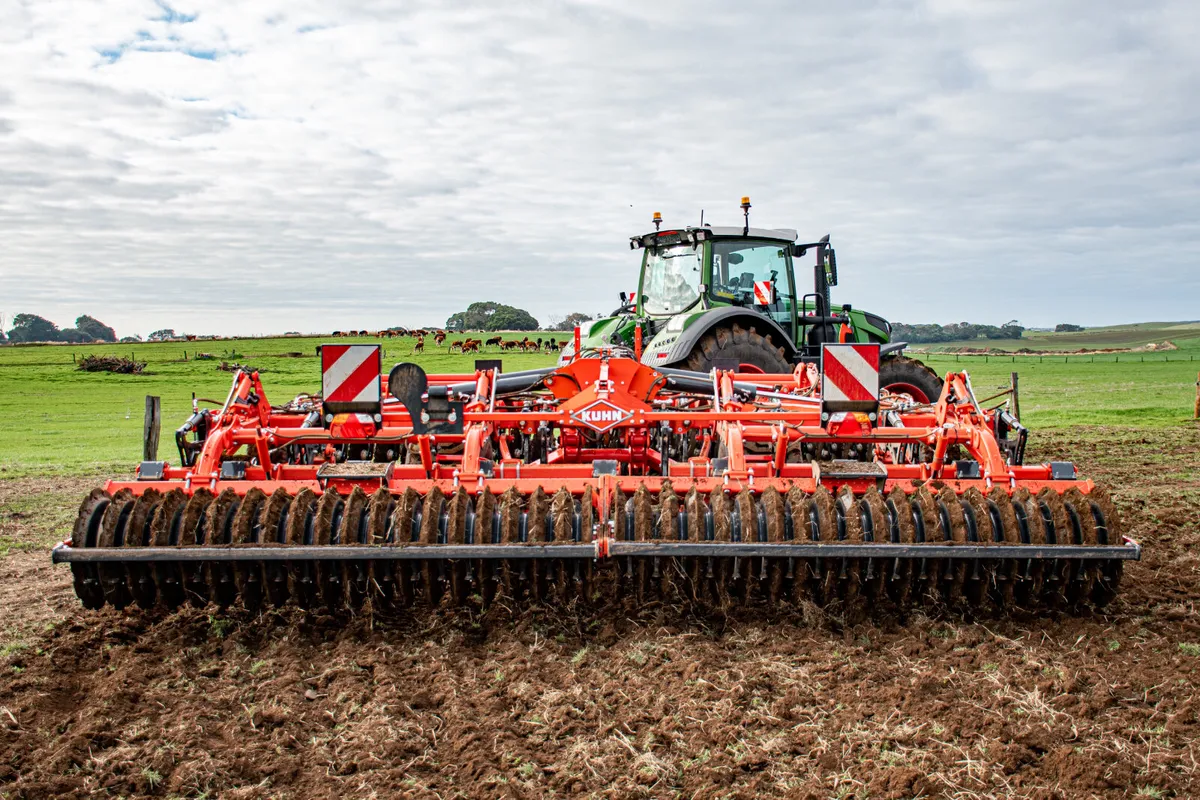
x=508 y=381
x=1131 y=551
x=413 y=552
x=701 y=382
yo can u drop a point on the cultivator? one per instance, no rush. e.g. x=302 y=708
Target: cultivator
x=598 y=480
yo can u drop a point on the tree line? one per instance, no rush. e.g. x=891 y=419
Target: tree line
x=955 y=332
x=32 y=328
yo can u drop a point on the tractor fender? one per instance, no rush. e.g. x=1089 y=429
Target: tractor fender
x=891 y=349
x=677 y=345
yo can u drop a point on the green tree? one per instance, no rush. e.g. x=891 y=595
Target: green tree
x=95 y=328
x=508 y=318
x=32 y=328
x=475 y=318
x=568 y=324
x=482 y=316
x=75 y=336
x=131 y=339
x=161 y=335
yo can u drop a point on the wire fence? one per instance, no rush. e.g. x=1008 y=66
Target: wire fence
x=1060 y=358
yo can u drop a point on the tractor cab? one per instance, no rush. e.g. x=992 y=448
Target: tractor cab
x=697 y=269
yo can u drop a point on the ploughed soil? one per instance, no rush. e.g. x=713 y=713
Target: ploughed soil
x=660 y=702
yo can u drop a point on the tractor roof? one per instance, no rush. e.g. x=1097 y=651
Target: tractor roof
x=715 y=232
x=781 y=234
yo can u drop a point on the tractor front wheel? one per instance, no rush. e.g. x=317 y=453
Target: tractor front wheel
x=902 y=375
x=742 y=349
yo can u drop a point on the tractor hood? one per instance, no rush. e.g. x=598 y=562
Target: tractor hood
x=605 y=332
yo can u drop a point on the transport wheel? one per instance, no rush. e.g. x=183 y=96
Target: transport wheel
x=902 y=375
x=749 y=349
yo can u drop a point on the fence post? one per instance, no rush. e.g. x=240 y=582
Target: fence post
x=1016 y=398
x=151 y=428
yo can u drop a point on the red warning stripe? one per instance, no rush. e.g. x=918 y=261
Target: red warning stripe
x=843 y=379
x=348 y=372
x=764 y=293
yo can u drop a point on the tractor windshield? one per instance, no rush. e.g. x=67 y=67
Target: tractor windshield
x=738 y=264
x=671 y=281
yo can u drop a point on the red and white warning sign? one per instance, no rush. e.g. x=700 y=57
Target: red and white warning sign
x=350 y=377
x=850 y=377
x=764 y=293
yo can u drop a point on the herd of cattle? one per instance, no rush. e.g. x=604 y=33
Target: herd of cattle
x=468 y=345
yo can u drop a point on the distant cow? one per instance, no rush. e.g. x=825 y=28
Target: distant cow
x=419 y=347
x=495 y=340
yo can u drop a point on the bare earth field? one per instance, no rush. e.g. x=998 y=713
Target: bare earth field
x=658 y=702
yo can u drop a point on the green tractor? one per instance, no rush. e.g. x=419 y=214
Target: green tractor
x=726 y=298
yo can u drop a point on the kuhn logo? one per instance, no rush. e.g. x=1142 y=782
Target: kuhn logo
x=601 y=415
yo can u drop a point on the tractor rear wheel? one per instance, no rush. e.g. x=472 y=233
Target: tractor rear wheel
x=745 y=349
x=902 y=375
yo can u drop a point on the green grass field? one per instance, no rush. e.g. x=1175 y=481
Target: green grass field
x=57 y=420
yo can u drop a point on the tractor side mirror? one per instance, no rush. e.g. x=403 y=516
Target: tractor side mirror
x=831 y=266
x=624 y=298
x=798 y=250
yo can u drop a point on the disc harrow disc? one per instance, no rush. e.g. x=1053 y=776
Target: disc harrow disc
x=138 y=534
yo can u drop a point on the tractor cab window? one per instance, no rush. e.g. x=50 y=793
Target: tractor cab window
x=671 y=282
x=738 y=265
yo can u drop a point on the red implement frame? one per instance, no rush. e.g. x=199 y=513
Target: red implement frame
x=627 y=401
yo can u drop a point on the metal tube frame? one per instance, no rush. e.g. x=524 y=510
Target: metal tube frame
x=599 y=550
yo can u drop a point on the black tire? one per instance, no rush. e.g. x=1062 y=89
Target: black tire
x=739 y=346
x=906 y=375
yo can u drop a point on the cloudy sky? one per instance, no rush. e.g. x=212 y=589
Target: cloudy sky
x=252 y=167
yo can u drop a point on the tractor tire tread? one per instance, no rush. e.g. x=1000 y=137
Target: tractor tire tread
x=744 y=345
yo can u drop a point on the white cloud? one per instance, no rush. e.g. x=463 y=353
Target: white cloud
x=273 y=166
